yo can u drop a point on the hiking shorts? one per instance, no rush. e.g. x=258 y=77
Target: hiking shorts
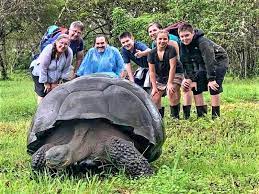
x=202 y=82
x=38 y=87
x=178 y=78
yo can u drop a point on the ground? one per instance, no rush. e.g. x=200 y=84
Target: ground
x=199 y=156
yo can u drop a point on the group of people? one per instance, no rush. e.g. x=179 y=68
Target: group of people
x=191 y=62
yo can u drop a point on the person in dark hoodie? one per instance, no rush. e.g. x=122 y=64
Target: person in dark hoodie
x=205 y=64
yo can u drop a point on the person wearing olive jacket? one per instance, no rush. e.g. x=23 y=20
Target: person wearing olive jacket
x=205 y=64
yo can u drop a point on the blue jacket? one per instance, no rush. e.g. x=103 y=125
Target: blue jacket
x=108 y=61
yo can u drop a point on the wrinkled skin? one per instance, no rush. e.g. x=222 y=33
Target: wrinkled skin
x=105 y=143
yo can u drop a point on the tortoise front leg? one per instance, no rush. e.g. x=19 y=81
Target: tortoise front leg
x=38 y=158
x=124 y=154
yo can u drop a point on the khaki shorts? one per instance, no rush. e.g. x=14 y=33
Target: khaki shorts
x=178 y=78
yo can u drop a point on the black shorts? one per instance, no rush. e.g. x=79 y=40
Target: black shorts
x=38 y=87
x=202 y=82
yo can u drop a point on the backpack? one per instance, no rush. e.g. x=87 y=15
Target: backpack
x=50 y=36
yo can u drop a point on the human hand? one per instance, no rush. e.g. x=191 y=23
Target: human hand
x=186 y=84
x=72 y=76
x=53 y=85
x=154 y=91
x=123 y=74
x=47 y=87
x=138 y=53
x=213 y=85
x=170 y=88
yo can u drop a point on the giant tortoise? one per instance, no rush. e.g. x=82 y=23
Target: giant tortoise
x=96 y=118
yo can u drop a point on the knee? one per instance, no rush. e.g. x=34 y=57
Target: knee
x=156 y=99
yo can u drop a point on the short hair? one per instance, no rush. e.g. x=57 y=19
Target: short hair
x=163 y=32
x=125 y=35
x=185 y=27
x=77 y=24
x=158 y=25
x=101 y=35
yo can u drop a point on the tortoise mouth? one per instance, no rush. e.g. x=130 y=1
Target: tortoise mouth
x=55 y=164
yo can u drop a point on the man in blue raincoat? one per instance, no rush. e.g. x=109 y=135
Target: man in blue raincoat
x=102 y=58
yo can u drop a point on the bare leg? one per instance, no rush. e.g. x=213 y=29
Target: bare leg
x=39 y=99
x=187 y=98
x=215 y=100
x=187 y=101
x=200 y=105
x=215 y=103
x=157 y=99
x=199 y=100
x=174 y=100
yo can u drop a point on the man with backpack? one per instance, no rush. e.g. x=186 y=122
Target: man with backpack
x=75 y=37
x=76 y=42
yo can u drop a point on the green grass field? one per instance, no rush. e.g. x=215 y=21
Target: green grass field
x=199 y=155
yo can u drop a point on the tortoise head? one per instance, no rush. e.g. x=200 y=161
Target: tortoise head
x=58 y=157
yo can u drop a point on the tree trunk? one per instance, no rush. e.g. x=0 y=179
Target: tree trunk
x=3 y=66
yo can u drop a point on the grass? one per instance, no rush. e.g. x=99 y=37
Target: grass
x=199 y=155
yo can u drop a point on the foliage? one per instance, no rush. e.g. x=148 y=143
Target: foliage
x=199 y=155
x=20 y=24
x=230 y=23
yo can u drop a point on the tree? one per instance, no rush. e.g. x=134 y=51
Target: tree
x=21 y=20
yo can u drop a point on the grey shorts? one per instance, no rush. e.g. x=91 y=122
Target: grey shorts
x=178 y=78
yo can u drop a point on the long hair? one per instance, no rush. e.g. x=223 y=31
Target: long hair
x=54 y=48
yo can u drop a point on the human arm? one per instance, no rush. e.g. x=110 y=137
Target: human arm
x=79 y=59
x=83 y=65
x=171 y=76
x=44 y=60
x=152 y=74
x=65 y=74
x=142 y=49
x=175 y=45
x=172 y=60
x=140 y=53
x=208 y=56
x=129 y=71
x=126 y=59
x=119 y=62
x=152 y=71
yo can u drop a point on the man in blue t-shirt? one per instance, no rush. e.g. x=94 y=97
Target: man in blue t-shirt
x=137 y=52
x=76 y=42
